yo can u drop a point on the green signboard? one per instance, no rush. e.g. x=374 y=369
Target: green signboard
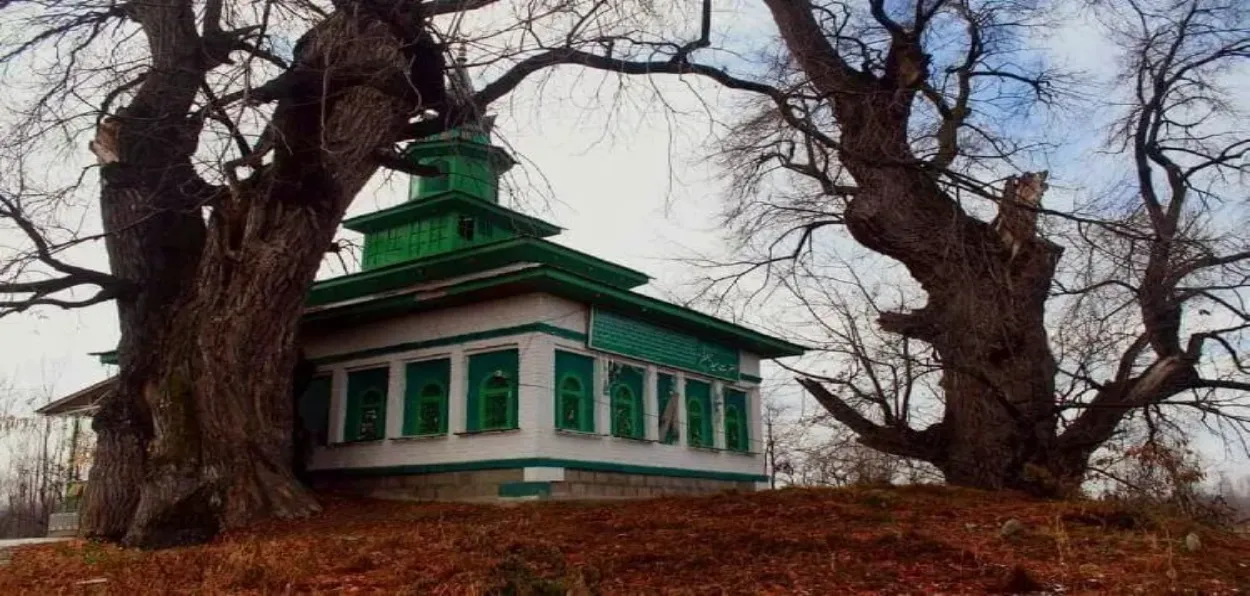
x=611 y=332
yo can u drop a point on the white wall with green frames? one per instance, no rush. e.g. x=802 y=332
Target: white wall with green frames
x=513 y=379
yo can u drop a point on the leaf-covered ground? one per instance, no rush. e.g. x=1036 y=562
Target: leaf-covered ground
x=915 y=540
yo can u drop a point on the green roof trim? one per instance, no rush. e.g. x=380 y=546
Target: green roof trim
x=561 y=283
x=472 y=260
x=109 y=357
x=451 y=201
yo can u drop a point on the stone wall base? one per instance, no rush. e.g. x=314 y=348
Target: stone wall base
x=510 y=485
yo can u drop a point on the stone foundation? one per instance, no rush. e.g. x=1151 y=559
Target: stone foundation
x=583 y=484
x=509 y=485
x=480 y=485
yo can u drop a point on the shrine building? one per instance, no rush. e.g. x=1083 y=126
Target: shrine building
x=472 y=358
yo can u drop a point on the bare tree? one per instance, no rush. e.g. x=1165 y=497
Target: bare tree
x=226 y=158
x=41 y=458
x=898 y=123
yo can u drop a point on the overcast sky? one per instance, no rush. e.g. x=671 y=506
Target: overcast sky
x=626 y=184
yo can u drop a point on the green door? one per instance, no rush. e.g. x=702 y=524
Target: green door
x=366 y=404
x=574 y=392
x=425 y=397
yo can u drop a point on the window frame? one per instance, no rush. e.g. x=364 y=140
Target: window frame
x=584 y=367
x=481 y=366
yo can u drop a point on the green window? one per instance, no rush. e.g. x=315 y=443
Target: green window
x=493 y=386
x=366 y=404
x=627 y=408
x=666 y=394
x=737 y=433
x=575 y=404
x=314 y=410
x=698 y=414
x=425 y=397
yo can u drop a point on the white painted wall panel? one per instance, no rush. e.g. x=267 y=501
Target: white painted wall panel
x=484 y=316
x=748 y=363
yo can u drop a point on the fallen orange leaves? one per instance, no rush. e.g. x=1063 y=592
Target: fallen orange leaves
x=912 y=540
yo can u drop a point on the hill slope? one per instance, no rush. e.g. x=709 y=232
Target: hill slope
x=889 y=541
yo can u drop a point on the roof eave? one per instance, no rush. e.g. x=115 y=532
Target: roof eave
x=555 y=281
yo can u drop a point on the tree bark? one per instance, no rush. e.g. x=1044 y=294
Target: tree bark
x=197 y=437
x=986 y=292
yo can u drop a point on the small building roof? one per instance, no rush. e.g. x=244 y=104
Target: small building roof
x=80 y=403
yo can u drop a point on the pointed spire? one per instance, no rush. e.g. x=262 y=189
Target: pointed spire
x=462 y=87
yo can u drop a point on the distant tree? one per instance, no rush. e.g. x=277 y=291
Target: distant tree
x=42 y=459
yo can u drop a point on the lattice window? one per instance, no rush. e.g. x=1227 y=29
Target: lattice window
x=572 y=403
x=625 y=413
x=735 y=423
x=371 y=421
x=430 y=409
x=695 y=416
x=496 y=402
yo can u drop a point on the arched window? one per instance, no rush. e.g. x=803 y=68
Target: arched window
x=572 y=403
x=735 y=422
x=438 y=183
x=370 y=415
x=695 y=416
x=496 y=402
x=430 y=409
x=625 y=412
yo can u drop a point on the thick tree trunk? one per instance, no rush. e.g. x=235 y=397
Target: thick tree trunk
x=987 y=285
x=197 y=437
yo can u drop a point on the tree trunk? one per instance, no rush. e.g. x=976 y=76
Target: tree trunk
x=197 y=436
x=986 y=285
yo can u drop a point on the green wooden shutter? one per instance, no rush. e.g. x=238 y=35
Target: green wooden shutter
x=314 y=409
x=574 y=392
x=699 y=414
x=366 y=404
x=665 y=390
x=737 y=433
x=627 y=408
x=425 y=397
x=492 y=381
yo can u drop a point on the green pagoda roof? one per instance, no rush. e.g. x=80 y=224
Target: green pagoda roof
x=554 y=280
x=451 y=201
x=473 y=260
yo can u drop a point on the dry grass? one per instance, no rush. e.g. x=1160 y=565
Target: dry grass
x=916 y=540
